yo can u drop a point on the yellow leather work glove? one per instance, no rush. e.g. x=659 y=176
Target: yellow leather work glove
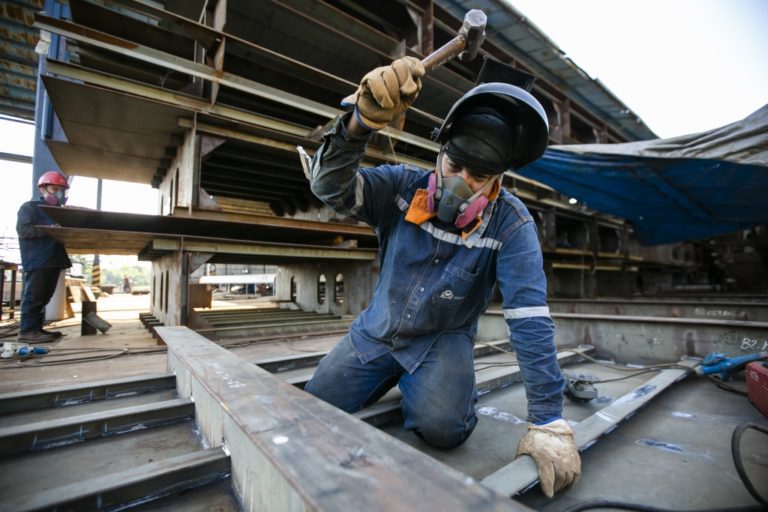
x=386 y=92
x=552 y=448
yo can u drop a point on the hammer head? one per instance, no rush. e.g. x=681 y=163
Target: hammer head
x=473 y=31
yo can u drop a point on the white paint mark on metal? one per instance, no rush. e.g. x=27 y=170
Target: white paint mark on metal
x=500 y=415
x=280 y=439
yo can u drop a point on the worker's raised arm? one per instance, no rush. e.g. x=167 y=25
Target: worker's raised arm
x=386 y=92
x=383 y=94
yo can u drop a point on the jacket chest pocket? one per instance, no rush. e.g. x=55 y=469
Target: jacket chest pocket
x=453 y=287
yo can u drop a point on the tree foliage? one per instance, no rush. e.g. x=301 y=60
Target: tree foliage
x=138 y=275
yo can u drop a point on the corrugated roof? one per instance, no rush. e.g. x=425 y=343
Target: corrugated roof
x=508 y=27
x=18 y=60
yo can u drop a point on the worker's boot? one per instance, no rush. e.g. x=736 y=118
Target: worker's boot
x=56 y=334
x=36 y=337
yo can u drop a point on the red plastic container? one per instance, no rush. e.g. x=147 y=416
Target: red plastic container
x=757 y=385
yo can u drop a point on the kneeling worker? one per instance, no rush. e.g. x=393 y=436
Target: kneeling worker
x=446 y=236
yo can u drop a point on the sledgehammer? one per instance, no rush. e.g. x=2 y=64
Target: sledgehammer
x=465 y=45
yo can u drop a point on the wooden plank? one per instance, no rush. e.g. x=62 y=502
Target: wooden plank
x=522 y=473
x=291 y=451
x=152 y=480
x=88 y=293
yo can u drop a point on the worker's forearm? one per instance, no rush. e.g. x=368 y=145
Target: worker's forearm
x=335 y=164
x=355 y=127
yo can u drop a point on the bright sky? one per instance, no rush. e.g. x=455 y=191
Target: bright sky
x=683 y=66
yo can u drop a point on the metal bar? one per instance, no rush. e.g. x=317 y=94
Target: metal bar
x=713 y=310
x=12 y=157
x=256 y=322
x=174 y=98
x=144 y=483
x=169 y=61
x=270 y=319
x=282 y=364
x=278 y=222
x=264 y=249
x=276 y=328
x=267 y=313
x=291 y=451
x=522 y=473
x=236 y=311
x=209 y=36
x=263 y=141
x=82 y=393
x=644 y=339
x=49 y=434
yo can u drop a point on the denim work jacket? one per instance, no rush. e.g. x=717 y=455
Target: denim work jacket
x=38 y=250
x=434 y=282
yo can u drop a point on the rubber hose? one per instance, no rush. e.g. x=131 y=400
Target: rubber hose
x=736 y=453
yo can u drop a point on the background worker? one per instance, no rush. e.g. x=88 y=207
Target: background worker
x=446 y=237
x=42 y=257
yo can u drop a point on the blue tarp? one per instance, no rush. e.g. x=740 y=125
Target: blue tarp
x=671 y=190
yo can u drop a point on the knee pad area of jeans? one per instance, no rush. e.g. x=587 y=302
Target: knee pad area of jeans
x=445 y=434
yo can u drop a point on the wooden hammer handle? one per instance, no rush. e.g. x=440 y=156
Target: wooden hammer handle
x=445 y=53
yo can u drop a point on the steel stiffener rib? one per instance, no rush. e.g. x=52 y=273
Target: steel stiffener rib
x=141 y=483
x=71 y=395
x=166 y=60
x=47 y=434
x=522 y=473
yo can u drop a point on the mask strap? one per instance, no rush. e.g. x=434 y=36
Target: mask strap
x=439 y=172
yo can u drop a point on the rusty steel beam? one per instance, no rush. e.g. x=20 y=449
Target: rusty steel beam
x=255 y=227
x=291 y=451
x=292 y=251
x=166 y=60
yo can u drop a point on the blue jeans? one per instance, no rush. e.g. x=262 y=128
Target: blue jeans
x=439 y=397
x=39 y=286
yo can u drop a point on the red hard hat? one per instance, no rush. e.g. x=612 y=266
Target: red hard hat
x=53 y=178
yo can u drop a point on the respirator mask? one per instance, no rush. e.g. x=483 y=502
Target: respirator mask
x=452 y=199
x=481 y=140
x=58 y=198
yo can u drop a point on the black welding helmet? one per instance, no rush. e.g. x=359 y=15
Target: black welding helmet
x=494 y=127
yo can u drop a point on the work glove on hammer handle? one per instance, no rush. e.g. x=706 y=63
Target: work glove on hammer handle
x=552 y=448
x=386 y=92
